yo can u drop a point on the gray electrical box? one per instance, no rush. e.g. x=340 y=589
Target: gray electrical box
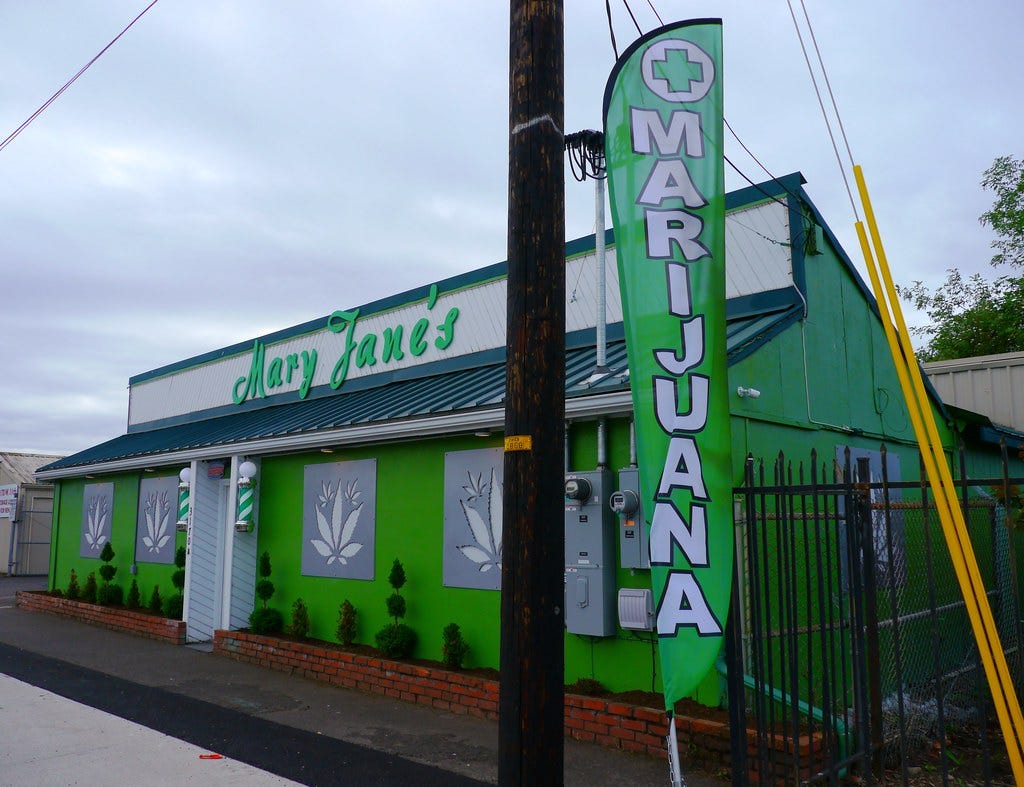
x=626 y=504
x=590 y=606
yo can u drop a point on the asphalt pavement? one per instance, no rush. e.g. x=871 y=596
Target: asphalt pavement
x=101 y=702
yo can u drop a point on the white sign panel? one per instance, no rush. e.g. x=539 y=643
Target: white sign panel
x=8 y=501
x=351 y=345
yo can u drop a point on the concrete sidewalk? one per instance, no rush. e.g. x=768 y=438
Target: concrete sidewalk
x=463 y=746
x=48 y=739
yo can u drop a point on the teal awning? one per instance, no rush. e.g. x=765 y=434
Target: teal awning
x=362 y=402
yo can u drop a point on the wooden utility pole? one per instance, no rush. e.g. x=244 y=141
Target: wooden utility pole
x=531 y=700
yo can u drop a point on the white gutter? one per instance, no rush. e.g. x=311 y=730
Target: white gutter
x=616 y=403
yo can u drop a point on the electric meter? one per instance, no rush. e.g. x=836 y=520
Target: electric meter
x=624 y=502
x=577 y=489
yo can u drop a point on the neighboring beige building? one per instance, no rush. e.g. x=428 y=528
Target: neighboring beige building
x=26 y=512
x=992 y=385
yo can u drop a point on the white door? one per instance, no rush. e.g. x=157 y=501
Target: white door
x=205 y=560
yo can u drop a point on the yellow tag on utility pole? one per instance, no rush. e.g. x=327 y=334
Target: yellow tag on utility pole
x=519 y=442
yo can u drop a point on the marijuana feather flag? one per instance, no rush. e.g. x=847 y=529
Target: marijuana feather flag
x=663 y=138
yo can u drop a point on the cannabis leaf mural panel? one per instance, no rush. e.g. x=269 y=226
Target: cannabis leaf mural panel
x=472 y=518
x=155 y=520
x=339 y=519
x=97 y=507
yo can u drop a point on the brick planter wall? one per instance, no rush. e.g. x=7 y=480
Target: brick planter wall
x=138 y=623
x=614 y=724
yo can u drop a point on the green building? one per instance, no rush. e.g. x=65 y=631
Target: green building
x=375 y=433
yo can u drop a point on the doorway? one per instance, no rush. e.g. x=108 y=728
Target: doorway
x=205 y=554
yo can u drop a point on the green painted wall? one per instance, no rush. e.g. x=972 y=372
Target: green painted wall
x=410 y=488
x=67 y=528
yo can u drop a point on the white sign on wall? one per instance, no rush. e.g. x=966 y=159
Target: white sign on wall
x=8 y=501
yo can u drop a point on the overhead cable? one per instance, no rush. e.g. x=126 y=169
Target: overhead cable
x=824 y=112
x=636 y=24
x=828 y=84
x=14 y=134
x=655 y=10
x=611 y=29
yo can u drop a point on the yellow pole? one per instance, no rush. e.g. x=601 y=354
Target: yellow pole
x=939 y=477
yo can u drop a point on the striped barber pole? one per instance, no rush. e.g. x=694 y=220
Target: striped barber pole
x=183 y=498
x=246 y=502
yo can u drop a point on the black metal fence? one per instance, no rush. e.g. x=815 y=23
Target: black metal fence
x=850 y=650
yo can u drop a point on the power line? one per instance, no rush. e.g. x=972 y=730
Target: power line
x=611 y=30
x=14 y=134
x=824 y=113
x=655 y=10
x=828 y=84
x=635 y=23
x=757 y=186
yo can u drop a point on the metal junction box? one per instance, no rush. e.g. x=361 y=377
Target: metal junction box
x=636 y=609
x=626 y=504
x=589 y=554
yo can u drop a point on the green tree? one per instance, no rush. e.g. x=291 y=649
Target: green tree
x=1006 y=218
x=973 y=315
x=969 y=317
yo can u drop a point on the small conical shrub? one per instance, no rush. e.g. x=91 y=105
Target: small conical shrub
x=454 y=647
x=89 y=589
x=346 y=623
x=300 y=619
x=156 y=603
x=73 y=591
x=134 y=600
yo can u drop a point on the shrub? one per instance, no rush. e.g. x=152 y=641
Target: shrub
x=264 y=588
x=109 y=595
x=300 y=619
x=396 y=640
x=178 y=577
x=73 y=590
x=107 y=571
x=134 y=600
x=156 y=603
x=454 y=647
x=346 y=623
x=175 y=605
x=396 y=606
x=265 y=620
x=397 y=576
x=89 y=590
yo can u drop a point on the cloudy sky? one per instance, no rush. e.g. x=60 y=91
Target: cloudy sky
x=232 y=167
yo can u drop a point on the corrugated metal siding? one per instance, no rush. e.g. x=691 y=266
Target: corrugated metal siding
x=992 y=385
x=752 y=264
x=16 y=468
x=581 y=291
